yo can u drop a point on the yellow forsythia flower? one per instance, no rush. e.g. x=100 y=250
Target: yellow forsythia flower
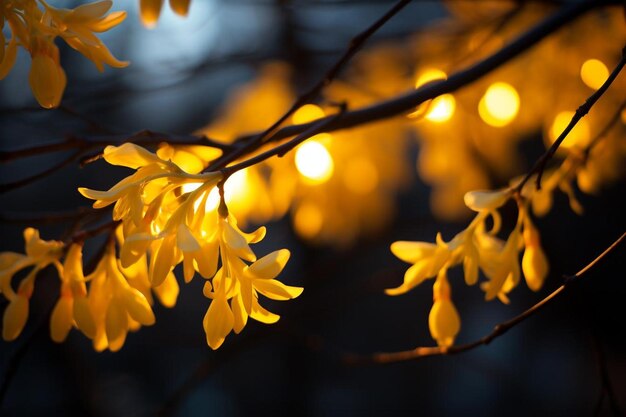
x=151 y=9
x=443 y=321
x=39 y=254
x=72 y=307
x=168 y=217
x=534 y=262
x=36 y=30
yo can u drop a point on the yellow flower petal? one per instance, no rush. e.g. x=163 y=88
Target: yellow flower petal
x=8 y=60
x=180 y=7
x=163 y=261
x=276 y=290
x=262 y=315
x=444 y=322
x=47 y=81
x=240 y=315
x=138 y=307
x=412 y=252
x=14 y=319
x=116 y=325
x=129 y=155
x=269 y=266
x=218 y=322
x=150 y=11
x=84 y=317
x=61 y=319
x=486 y=200
x=167 y=293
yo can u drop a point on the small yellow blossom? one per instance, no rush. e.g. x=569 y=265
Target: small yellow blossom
x=443 y=321
x=72 y=307
x=151 y=9
x=36 y=30
x=39 y=254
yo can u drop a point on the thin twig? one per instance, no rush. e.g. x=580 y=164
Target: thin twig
x=4 y=188
x=281 y=150
x=498 y=330
x=605 y=130
x=581 y=112
x=354 y=46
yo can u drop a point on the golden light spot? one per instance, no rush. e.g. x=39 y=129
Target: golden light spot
x=308 y=220
x=234 y=190
x=578 y=137
x=500 y=104
x=441 y=108
x=594 y=73
x=190 y=186
x=623 y=116
x=307 y=113
x=361 y=175
x=314 y=162
x=431 y=74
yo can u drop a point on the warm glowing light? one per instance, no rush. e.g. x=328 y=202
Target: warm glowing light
x=190 y=186
x=578 y=137
x=441 y=108
x=623 y=116
x=307 y=113
x=431 y=74
x=594 y=73
x=500 y=104
x=234 y=189
x=361 y=176
x=314 y=162
x=308 y=220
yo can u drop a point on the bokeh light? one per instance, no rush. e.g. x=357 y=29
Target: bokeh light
x=440 y=109
x=594 y=73
x=308 y=220
x=578 y=137
x=500 y=104
x=314 y=162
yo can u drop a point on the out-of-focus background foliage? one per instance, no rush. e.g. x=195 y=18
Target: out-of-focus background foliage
x=231 y=68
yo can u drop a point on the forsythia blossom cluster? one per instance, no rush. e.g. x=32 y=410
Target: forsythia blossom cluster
x=34 y=25
x=168 y=214
x=475 y=248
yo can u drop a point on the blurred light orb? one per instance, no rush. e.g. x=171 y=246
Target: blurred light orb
x=234 y=189
x=500 y=104
x=307 y=113
x=314 y=162
x=361 y=176
x=594 y=73
x=578 y=137
x=440 y=109
x=308 y=220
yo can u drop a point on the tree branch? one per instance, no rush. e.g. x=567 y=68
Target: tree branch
x=581 y=112
x=404 y=103
x=498 y=330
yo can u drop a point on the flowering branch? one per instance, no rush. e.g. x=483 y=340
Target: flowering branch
x=498 y=330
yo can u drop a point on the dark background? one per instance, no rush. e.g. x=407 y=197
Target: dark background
x=181 y=72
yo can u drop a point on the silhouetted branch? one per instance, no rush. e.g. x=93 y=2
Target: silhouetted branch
x=581 y=112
